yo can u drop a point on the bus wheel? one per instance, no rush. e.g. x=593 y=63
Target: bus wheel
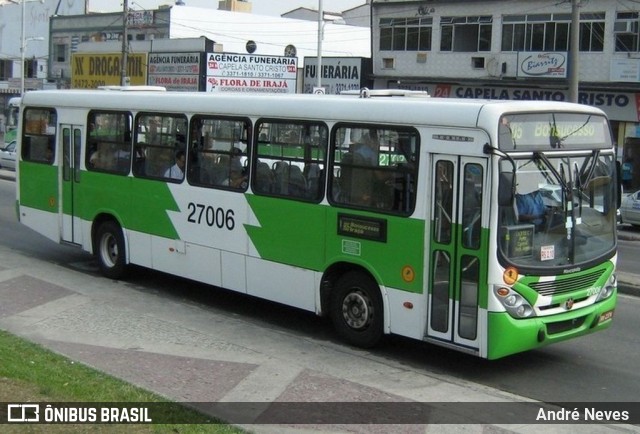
x=356 y=310
x=110 y=250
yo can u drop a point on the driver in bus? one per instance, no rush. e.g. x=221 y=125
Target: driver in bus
x=531 y=208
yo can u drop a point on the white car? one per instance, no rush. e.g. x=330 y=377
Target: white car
x=630 y=209
x=8 y=156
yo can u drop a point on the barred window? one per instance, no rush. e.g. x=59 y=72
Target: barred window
x=551 y=32
x=406 y=34
x=626 y=32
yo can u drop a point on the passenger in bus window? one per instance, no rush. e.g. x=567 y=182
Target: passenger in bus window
x=237 y=178
x=153 y=136
x=368 y=149
x=140 y=158
x=177 y=170
x=48 y=156
x=99 y=158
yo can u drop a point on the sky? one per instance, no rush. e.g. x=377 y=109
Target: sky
x=259 y=7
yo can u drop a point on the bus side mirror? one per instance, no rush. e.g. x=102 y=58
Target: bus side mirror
x=506 y=188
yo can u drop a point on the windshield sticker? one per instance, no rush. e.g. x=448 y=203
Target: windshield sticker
x=547 y=253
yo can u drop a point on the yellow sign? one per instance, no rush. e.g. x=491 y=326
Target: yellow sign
x=88 y=71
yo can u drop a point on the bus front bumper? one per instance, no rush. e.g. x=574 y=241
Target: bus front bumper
x=508 y=335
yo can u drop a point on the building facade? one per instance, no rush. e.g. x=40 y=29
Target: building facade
x=24 y=35
x=476 y=49
x=67 y=33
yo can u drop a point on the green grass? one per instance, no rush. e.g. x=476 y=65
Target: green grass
x=30 y=373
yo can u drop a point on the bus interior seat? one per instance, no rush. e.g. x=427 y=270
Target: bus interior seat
x=280 y=175
x=297 y=184
x=264 y=178
x=313 y=174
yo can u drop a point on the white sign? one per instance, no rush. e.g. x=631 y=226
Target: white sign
x=619 y=106
x=626 y=70
x=175 y=71
x=227 y=72
x=338 y=74
x=542 y=64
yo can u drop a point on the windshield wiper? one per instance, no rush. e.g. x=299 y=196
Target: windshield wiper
x=555 y=141
x=568 y=202
x=595 y=155
x=561 y=179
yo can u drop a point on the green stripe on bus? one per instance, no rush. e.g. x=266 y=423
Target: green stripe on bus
x=293 y=233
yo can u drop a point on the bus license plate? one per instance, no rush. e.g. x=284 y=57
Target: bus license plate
x=605 y=316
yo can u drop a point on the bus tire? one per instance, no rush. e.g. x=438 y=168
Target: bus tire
x=110 y=250
x=356 y=310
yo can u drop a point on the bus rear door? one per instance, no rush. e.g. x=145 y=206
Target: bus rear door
x=457 y=261
x=71 y=137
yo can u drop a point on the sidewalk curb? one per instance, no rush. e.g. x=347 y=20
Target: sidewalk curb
x=7 y=174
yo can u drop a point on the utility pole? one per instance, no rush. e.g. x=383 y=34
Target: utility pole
x=23 y=47
x=574 y=64
x=125 y=42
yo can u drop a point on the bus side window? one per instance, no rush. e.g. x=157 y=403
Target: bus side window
x=291 y=163
x=109 y=142
x=375 y=168
x=218 y=153
x=159 y=139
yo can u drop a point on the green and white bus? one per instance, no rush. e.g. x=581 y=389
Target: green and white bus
x=11 y=120
x=388 y=215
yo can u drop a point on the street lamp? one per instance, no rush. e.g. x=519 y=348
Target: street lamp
x=22 y=59
x=23 y=43
x=319 y=53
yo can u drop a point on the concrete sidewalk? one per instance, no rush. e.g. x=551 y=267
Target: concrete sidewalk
x=191 y=354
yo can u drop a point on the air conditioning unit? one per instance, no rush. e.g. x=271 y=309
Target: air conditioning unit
x=625 y=27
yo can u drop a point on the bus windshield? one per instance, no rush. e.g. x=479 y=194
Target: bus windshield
x=563 y=213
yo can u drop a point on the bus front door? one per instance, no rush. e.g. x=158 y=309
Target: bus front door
x=71 y=140
x=456 y=261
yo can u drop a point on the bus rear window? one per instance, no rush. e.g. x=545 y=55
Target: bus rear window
x=39 y=132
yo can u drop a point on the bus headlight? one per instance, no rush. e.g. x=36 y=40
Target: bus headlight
x=514 y=303
x=608 y=289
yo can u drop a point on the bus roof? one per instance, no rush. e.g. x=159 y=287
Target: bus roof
x=409 y=111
